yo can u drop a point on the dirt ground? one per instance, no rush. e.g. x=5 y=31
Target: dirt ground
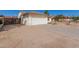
x=40 y=36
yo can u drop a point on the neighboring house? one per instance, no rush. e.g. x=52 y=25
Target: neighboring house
x=1 y=22
x=66 y=18
x=33 y=18
x=10 y=20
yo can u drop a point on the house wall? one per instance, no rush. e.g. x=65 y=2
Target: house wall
x=60 y=20
x=50 y=19
x=24 y=19
x=68 y=19
x=19 y=15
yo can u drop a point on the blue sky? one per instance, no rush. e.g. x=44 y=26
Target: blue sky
x=51 y=12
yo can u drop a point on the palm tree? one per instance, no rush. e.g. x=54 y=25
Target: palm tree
x=47 y=13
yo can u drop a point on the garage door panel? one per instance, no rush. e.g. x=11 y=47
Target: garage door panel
x=36 y=21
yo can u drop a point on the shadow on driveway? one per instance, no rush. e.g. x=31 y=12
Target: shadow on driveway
x=10 y=27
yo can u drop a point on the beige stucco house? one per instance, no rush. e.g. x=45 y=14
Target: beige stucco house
x=33 y=18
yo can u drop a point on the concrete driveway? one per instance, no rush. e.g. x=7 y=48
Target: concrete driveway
x=40 y=36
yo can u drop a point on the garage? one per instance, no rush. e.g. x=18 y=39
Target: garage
x=38 y=20
x=34 y=18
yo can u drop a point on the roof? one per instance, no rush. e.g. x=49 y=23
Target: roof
x=1 y=17
x=32 y=13
x=67 y=17
x=51 y=16
x=9 y=17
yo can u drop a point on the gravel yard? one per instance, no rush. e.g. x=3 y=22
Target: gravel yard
x=40 y=36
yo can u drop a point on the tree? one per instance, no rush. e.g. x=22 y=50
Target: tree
x=75 y=18
x=61 y=16
x=58 y=17
x=46 y=12
x=1 y=15
x=2 y=19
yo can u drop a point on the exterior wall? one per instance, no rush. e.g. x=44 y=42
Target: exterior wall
x=50 y=19
x=19 y=15
x=60 y=20
x=24 y=19
x=68 y=19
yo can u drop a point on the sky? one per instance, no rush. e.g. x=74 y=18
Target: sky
x=51 y=12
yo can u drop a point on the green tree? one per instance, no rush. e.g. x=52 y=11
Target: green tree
x=46 y=12
x=61 y=16
x=1 y=15
x=58 y=17
x=75 y=18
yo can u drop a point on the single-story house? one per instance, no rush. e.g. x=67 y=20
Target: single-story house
x=33 y=18
x=10 y=20
x=66 y=18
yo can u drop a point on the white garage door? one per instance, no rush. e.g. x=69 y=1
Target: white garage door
x=36 y=21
